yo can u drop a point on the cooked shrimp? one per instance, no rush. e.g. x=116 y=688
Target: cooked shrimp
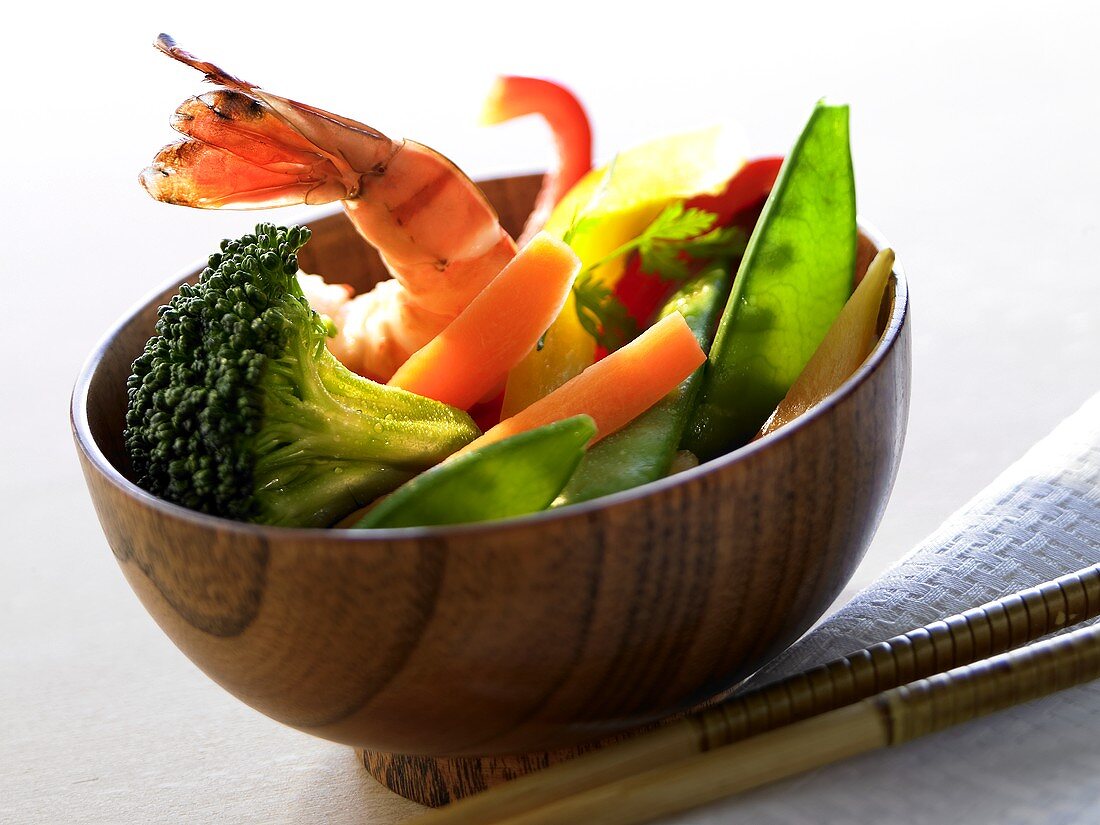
x=337 y=302
x=440 y=239
x=327 y=299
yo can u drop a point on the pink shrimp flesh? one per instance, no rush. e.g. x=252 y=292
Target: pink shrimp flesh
x=439 y=237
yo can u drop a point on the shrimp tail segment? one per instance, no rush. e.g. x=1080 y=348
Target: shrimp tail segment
x=247 y=148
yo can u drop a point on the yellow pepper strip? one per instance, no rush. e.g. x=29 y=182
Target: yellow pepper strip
x=846 y=345
x=621 y=201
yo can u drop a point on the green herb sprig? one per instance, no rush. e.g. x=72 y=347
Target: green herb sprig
x=678 y=236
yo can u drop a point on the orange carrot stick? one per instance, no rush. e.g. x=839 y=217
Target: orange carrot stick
x=474 y=353
x=617 y=389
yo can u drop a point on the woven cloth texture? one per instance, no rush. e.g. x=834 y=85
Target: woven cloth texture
x=1035 y=763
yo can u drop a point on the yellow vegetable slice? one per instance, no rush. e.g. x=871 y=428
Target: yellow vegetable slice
x=846 y=345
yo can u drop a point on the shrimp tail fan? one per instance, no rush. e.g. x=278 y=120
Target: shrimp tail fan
x=247 y=149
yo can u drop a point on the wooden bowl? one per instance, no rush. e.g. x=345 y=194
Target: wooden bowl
x=522 y=635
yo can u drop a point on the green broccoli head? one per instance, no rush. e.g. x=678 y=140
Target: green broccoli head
x=237 y=408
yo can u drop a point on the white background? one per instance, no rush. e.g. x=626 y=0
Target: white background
x=975 y=136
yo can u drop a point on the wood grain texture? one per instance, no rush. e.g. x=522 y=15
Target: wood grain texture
x=520 y=636
x=439 y=780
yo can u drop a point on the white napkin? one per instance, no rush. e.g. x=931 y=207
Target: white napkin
x=1036 y=763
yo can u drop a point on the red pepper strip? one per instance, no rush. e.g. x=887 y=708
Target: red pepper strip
x=752 y=184
x=738 y=204
x=513 y=97
x=486 y=414
x=640 y=292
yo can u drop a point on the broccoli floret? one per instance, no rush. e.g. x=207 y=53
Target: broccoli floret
x=237 y=408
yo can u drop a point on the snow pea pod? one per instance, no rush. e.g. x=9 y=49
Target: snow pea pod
x=643 y=450
x=511 y=477
x=793 y=281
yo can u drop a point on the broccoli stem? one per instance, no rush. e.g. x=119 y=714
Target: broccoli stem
x=333 y=441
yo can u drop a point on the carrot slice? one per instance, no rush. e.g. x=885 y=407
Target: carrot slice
x=846 y=345
x=473 y=354
x=617 y=389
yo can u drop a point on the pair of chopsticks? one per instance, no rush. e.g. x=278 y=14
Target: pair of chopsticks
x=928 y=679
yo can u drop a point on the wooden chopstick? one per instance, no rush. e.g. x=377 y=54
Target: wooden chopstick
x=890 y=718
x=956 y=641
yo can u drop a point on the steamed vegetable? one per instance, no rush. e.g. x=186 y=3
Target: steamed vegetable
x=609 y=207
x=642 y=289
x=582 y=355
x=513 y=97
x=793 y=280
x=518 y=475
x=471 y=357
x=678 y=240
x=644 y=449
x=237 y=409
x=617 y=389
x=847 y=344
x=744 y=191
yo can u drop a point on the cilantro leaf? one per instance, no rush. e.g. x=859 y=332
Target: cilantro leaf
x=728 y=241
x=678 y=232
x=674 y=228
x=601 y=314
x=664 y=261
x=583 y=220
x=677 y=223
x=666 y=247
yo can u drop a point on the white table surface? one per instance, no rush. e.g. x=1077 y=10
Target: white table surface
x=975 y=140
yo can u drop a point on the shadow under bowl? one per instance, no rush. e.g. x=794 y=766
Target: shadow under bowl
x=522 y=635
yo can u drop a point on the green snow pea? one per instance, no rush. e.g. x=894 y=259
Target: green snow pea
x=643 y=450
x=517 y=475
x=793 y=280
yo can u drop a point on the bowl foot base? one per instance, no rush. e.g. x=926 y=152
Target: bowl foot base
x=435 y=781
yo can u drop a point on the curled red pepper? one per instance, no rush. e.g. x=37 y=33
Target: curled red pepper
x=513 y=97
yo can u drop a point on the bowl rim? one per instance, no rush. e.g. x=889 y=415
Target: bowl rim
x=86 y=442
